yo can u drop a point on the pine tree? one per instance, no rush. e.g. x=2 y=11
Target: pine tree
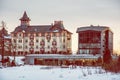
x=107 y=57
x=118 y=62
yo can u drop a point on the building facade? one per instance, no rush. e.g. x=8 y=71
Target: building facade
x=40 y=39
x=94 y=40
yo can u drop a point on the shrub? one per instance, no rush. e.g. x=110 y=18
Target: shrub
x=118 y=63
x=112 y=67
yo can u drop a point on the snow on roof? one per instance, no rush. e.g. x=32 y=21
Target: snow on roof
x=59 y=56
x=7 y=37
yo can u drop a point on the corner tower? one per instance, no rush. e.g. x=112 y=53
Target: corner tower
x=25 y=20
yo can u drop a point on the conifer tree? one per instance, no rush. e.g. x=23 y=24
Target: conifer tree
x=107 y=56
x=118 y=62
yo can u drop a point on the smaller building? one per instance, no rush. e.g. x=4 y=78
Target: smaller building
x=60 y=59
x=94 y=40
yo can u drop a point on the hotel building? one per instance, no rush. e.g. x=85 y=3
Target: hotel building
x=40 y=39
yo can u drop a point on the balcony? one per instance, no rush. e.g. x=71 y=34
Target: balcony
x=54 y=43
x=31 y=49
x=42 y=43
x=31 y=43
x=31 y=37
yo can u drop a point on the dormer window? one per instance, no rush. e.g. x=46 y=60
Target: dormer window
x=54 y=43
x=54 y=34
x=42 y=43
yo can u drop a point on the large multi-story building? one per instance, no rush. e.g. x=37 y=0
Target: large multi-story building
x=48 y=44
x=94 y=40
x=50 y=39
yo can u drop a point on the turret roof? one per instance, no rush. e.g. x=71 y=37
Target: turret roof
x=25 y=17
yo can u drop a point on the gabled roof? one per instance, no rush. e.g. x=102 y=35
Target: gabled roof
x=33 y=28
x=37 y=29
x=56 y=27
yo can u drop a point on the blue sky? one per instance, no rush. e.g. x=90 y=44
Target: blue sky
x=74 y=14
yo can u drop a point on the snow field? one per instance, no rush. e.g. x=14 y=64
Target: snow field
x=32 y=72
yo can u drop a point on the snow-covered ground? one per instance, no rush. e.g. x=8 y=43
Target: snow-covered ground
x=33 y=72
x=18 y=60
x=30 y=72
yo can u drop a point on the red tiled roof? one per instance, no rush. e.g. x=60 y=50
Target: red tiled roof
x=36 y=29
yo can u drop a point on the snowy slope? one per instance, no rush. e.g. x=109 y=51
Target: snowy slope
x=30 y=72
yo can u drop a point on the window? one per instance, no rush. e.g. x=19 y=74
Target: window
x=19 y=34
x=48 y=37
x=31 y=36
x=48 y=47
x=68 y=37
x=20 y=41
x=26 y=41
x=37 y=40
x=63 y=46
x=54 y=39
x=64 y=40
x=14 y=35
x=54 y=34
x=60 y=39
x=26 y=47
x=19 y=47
x=37 y=47
x=14 y=40
x=64 y=34
x=37 y=34
x=89 y=37
x=42 y=40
